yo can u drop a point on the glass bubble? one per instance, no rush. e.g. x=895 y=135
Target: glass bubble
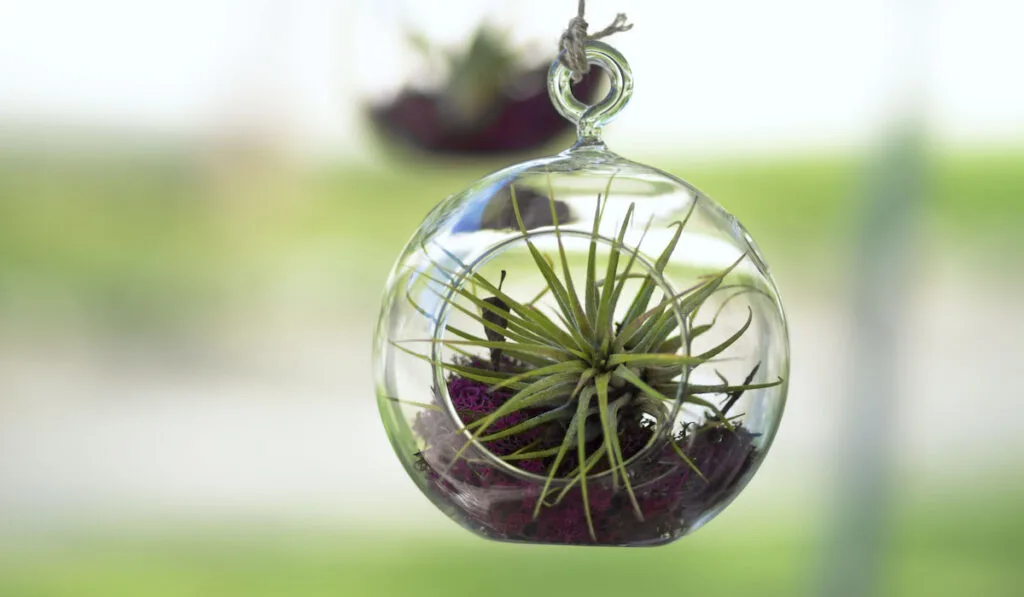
x=581 y=349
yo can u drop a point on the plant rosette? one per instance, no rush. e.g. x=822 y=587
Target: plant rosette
x=490 y=103
x=581 y=349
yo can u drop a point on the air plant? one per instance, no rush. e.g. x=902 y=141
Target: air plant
x=489 y=102
x=562 y=398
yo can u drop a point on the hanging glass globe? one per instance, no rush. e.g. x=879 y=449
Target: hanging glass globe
x=469 y=84
x=581 y=349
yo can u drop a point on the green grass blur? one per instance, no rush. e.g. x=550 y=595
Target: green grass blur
x=937 y=549
x=146 y=236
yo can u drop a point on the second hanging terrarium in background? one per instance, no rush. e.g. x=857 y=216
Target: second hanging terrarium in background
x=467 y=84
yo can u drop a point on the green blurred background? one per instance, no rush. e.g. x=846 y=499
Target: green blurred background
x=196 y=223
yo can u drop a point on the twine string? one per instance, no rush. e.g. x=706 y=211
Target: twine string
x=572 y=45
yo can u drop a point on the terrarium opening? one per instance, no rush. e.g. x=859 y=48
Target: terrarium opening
x=538 y=363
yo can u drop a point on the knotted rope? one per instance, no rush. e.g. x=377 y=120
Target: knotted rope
x=572 y=45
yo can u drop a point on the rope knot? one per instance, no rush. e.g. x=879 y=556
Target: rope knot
x=572 y=45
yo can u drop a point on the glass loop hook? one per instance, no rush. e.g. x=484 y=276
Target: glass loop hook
x=590 y=119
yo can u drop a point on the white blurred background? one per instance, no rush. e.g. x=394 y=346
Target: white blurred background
x=728 y=76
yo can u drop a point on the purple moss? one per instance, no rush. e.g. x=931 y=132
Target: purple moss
x=669 y=493
x=517 y=123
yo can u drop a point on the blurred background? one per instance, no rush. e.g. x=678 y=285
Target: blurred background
x=200 y=202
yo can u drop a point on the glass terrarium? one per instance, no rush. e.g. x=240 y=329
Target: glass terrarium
x=581 y=349
x=468 y=80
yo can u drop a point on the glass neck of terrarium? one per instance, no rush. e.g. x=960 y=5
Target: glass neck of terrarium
x=588 y=135
x=590 y=119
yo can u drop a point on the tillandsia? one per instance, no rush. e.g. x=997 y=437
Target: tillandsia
x=490 y=101
x=593 y=387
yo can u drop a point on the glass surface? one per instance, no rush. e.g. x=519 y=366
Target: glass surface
x=581 y=308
